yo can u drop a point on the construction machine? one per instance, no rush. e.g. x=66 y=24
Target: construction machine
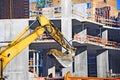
x=39 y=26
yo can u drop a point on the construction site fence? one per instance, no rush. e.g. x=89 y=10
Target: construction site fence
x=97 y=40
x=108 y=22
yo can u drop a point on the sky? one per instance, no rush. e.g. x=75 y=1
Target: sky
x=32 y=0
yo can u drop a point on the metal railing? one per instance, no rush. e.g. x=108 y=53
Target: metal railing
x=97 y=40
x=104 y=42
x=92 y=17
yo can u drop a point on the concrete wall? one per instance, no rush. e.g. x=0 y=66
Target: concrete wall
x=17 y=69
x=79 y=10
x=108 y=63
x=81 y=66
x=102 y=63
x=105 y=34
x=83 y=35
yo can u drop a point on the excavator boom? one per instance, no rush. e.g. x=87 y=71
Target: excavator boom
x=21 y=42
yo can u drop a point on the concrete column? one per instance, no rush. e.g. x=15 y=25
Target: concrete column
x=105 y=34
x=34 y=61
x=66 y=19
x=37 y=63
x=51 y=70
x=102 y=63
x=66 y=24
x=81 y=68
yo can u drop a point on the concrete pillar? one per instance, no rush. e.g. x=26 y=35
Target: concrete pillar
x=52 y=70
x=66 y=19
x=66 y=25
x=80 y=62
x=105 y=34
x=34 y=61
x=102 y=63
x=37 y=63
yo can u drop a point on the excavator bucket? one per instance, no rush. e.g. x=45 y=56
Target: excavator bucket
x=65 y=59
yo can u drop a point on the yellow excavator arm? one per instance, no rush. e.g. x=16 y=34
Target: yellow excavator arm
x=21 y=42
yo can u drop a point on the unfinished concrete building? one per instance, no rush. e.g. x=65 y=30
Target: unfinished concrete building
x=97 y=47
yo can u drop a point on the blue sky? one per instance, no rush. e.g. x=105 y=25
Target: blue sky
x=32 y=0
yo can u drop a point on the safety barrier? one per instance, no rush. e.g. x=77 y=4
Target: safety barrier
x=93 y=39
x=69 y=77
x=51 y=12
x=112 y=44
x=108 y=22
x=104 y=42
x=97 y=40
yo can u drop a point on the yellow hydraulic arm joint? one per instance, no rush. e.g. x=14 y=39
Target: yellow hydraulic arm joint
x=64 y=58
x=55 y=33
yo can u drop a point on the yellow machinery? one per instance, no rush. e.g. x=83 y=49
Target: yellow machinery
x=39 y=26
